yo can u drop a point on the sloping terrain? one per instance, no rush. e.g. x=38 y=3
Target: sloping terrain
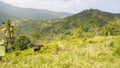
x=87 y=23
x=97 y=52
x=12 y=12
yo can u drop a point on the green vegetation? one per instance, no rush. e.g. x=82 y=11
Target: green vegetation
x=112 y=28
x=12 y=42
x=88 y=23
x=90 y=39
x=98 y=52
x=9 y=31
x=22 y=43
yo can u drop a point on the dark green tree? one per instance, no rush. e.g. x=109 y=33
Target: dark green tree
x=112 y=28
x=22 y=43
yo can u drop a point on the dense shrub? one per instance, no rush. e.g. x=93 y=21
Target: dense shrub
x=22 y=43
x=117 y=51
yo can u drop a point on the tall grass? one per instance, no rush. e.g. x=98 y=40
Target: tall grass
x=98 y=52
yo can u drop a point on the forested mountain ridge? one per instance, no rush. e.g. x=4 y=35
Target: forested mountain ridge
x=87 y=23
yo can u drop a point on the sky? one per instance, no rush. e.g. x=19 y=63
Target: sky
x=71 y=6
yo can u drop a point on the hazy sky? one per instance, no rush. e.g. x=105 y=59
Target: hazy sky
x=72 y=6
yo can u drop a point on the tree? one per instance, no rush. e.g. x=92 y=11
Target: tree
x=9 y=31
x=112 y=28
x=22 y=43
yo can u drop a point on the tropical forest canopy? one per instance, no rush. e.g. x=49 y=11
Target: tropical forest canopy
x=88 y=23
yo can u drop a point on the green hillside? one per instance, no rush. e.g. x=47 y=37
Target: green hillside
x=88 y=23
x=89 y=39
x=97 y=52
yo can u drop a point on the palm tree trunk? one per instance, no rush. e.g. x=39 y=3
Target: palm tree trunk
x=6 y=49
x=6 y=44
x=0 y=58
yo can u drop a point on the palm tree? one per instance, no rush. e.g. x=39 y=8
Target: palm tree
x=9 y=31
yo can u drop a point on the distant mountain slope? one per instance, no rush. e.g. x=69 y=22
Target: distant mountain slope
x=84 y=24
x=86 y=21
x=9 y=11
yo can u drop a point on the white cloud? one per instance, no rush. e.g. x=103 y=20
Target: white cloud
x=56 y=5
x=60 y=5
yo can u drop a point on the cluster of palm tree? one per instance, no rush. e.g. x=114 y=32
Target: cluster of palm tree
x=9 y=34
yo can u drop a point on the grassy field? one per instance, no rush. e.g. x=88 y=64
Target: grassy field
x=98 y=52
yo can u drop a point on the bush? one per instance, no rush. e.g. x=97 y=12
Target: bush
x=22 y=43
x=117 y=51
